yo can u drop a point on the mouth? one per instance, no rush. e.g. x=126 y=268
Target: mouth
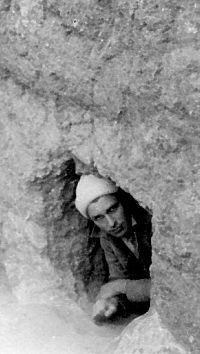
x=117 y=229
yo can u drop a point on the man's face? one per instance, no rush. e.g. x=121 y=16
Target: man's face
x=109 y=215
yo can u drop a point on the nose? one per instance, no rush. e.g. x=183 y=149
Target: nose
x=110 y=221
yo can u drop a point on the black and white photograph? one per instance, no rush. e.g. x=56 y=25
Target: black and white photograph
x=99 y=176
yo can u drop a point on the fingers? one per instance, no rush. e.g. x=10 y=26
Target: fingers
x=110 y=310
x=104 y=308
x=99 y=308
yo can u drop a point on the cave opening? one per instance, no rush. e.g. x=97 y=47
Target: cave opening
x=72 y=246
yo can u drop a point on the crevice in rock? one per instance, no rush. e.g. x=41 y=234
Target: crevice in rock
x=70 y=247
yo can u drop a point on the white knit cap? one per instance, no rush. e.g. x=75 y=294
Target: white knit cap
x=89 y=188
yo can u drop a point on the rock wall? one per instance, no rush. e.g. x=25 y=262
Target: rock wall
x=115 y=86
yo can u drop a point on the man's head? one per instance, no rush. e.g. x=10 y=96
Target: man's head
x=97 y=199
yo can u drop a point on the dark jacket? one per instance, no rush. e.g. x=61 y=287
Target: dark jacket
x=122 y=262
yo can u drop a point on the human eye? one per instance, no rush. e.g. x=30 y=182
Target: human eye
x=98 y=217
x=113 y=208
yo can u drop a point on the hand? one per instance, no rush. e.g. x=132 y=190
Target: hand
x=104 y=308
x=112 y=288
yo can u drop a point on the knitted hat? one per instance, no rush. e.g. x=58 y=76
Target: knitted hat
x=89 y=188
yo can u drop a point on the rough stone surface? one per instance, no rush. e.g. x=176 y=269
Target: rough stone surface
x=114 y=84
x=147 y=335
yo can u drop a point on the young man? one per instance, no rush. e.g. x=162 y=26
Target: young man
x=126 y=240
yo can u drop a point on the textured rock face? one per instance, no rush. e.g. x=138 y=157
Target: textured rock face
x=147 y=335
x=116 y=86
